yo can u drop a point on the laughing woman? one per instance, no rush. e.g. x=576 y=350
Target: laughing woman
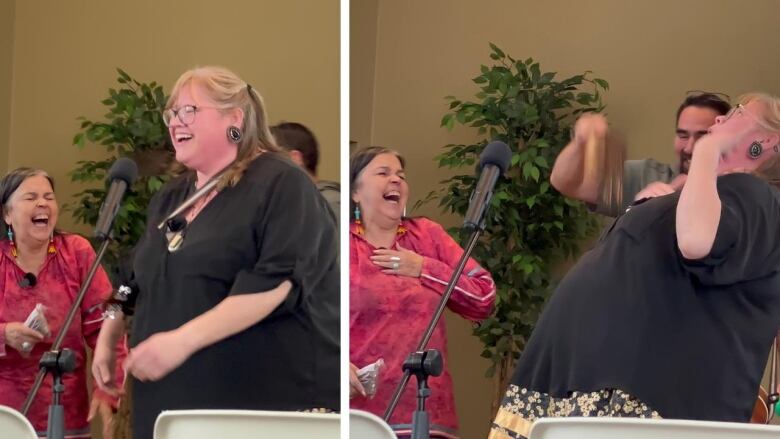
x=399 y=268
x=237 y=273
x=40 y=265
x=673 y=312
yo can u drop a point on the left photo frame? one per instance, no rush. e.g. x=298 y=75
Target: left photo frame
x=171 y=204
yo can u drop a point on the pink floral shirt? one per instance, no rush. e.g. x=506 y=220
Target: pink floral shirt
x=388 y=314
x=57 y=286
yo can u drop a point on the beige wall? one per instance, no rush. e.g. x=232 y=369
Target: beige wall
x=362 y=52
x=65 y=54
x=6 y=80
x=650 y=52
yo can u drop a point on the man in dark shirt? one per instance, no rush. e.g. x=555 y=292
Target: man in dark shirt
x=647 y=177
x=304 y=150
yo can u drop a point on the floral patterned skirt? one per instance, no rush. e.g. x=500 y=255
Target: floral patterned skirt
x=521 y=407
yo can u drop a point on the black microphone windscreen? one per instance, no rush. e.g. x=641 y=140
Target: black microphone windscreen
x=496 y=153
x=28 y=280
x=123 y=169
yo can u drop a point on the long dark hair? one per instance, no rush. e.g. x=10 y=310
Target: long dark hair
x=9 y=184
x=359 y=160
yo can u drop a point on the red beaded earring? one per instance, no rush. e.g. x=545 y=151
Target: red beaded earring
x=10 y=234
x=51 y=250
x=358 y=223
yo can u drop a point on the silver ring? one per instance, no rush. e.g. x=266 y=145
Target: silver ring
x=26 y=346
x=395 y=266
x=395 y=258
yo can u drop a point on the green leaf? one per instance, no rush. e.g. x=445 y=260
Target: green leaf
x=546 y=78
x=450 y=124
x=535 y=72
x=78 y=140
x=123 y=75
x=530 y=171
x=497 y=51
x=602 y=83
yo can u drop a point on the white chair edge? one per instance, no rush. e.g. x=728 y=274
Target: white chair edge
x=17 y=416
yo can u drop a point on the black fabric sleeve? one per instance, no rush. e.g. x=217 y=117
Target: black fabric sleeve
x=746 y=244
x=296 y=238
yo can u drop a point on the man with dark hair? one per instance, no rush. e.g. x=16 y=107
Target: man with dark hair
x=641 y=178
x=303 y=148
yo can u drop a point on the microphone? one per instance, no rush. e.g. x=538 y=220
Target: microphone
x=493 y=162
x=122 y=175
x=177 y=223
x=28 y=280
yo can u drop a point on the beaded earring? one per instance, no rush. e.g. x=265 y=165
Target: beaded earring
x=401 y=229
x=10 y=234
x=52 y=249
x=358 y=223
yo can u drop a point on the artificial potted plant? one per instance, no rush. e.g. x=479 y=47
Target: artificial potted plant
x=133 y=128
x=530 y=227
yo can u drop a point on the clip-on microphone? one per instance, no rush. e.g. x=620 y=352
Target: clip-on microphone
x=28 y=280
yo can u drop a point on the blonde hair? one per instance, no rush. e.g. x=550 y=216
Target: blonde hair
x=228 y=92
x=769 y=119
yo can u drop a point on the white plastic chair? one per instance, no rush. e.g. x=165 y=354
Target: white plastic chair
x=635 y=428
x=365 y=425
x=211 y=424
x=15 y=426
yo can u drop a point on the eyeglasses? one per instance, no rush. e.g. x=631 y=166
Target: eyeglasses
x=740 y=110
x=186 y=114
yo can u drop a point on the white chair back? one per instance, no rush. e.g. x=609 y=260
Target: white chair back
x=15 y=426
x=635 y=428
x=228 y=424
x=365 y=425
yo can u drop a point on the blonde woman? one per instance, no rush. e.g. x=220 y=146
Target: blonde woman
x=673 y=312
x=237 y=293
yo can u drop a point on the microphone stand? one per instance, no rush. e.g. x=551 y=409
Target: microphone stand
x=773 y=397
x=423 y=363
x=59 y=362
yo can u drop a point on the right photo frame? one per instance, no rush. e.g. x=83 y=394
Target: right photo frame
x=562 y=218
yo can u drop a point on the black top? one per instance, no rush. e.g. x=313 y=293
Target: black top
x=272 y=226
x=688 y=338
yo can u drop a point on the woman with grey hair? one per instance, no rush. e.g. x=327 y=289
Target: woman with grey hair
x=41 y=271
